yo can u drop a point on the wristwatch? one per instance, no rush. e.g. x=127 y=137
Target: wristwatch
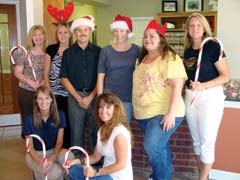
x=97 y=172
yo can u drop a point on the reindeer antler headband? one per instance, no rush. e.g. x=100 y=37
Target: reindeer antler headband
x=62 y=14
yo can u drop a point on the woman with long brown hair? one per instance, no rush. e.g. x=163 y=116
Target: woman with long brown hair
x=114 y=143
x=48 y=123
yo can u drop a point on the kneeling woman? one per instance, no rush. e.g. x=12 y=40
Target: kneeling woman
x=114 y=143
x=48 y=123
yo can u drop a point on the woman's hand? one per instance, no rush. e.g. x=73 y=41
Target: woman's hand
x=34 y=84
x=69 y=163
x=198 y=86
x=89 y=171
x=47 y=166
x=168 y=122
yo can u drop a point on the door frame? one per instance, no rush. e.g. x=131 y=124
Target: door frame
x=11 y=10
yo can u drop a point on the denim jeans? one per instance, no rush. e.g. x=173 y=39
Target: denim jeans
x=157 y=147
x=128 y=110
x=76 y=173
x=78 y=118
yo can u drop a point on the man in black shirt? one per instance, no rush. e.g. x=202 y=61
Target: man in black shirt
x=79 y=75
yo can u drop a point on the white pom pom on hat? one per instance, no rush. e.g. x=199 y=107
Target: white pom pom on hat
x=83 y=21
x=123 y=22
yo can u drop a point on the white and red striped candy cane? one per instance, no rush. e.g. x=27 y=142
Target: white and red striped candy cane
x=43 y=149
x=66 y=163
x=200 y=59
x=27 y=55
x=15 y=48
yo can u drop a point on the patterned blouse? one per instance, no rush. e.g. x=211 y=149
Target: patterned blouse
x=37 y=62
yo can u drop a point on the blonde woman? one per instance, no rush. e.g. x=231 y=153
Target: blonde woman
x=204 y=114
x=52 y=66
x=28 y=83
x=117 y=62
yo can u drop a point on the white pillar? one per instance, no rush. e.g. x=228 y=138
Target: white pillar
x=34 y=12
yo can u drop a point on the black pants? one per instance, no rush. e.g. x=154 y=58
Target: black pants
x=25 y=101
x=62 y=103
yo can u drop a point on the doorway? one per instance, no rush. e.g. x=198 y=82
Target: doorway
x=8 y=39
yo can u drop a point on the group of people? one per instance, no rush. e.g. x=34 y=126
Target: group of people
x=81 y=83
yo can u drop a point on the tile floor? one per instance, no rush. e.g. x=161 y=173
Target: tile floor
x=12 y=153
x=12 y=157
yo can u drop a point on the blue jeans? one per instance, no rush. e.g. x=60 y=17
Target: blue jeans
x=128 y=110
x=78 y=118
x=76 y=173
x=157 y=147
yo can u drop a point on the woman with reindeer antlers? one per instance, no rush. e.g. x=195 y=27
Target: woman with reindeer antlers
x=53 y=61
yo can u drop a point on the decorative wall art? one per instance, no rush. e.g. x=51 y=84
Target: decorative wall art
x=193 y=5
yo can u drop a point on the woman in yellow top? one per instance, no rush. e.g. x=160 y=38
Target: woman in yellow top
x=157 y=97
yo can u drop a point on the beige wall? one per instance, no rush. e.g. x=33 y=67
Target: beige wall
x=227 y=26
x=133 y=8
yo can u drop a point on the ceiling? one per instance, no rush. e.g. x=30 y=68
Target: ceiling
x=91 y=2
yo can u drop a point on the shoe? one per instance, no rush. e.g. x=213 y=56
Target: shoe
x=150 y=177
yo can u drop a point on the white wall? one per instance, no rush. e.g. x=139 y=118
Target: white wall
x=228 y=32
x=34 y=12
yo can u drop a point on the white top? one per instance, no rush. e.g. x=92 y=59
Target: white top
x=107 y=150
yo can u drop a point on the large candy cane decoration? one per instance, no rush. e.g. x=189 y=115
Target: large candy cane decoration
x=27 y=55
x=66 y=163
x=200 y=59
x=43 y=148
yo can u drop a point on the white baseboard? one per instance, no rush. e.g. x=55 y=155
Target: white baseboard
x=223 y=175
x=10 y=120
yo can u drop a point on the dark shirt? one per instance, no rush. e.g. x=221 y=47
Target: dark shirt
x=210 y=56
x=55 y=66
x=48 y=132
x=79 y=66
x=118 y=67
x=52 y=50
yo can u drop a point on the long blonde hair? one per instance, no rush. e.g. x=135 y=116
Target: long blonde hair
x=31 y=32
x=207 y=29
x=119 y=116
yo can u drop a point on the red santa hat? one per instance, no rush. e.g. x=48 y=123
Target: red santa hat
x=122 y=22
x=83 y=21
x=154 y=25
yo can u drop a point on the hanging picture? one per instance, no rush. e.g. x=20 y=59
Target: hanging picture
x=169 y=6
x=193 y=5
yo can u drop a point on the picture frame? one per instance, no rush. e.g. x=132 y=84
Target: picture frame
x=193 y=5
x=169 y=6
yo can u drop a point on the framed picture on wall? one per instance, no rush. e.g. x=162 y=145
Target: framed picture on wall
x=193 y=5
x=169 y=6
